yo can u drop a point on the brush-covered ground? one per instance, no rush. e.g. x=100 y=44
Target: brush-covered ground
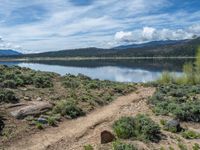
x=152 y=126
x=71 y=97
x=150 y=123
x=149 y=117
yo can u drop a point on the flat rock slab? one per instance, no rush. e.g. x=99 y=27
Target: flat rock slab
x=32 y=109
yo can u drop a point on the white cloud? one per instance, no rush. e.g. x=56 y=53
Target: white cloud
x=123 y=36
x=66 y=26
x=152 y=34
x=148 y=33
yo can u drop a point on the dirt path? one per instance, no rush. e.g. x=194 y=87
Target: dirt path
x=73 y=134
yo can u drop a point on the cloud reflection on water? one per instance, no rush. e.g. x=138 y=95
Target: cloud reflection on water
x=113 y=73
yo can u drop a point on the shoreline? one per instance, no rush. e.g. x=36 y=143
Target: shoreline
x=88 y=58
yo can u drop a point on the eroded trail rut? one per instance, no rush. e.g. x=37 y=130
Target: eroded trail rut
x=73 y=134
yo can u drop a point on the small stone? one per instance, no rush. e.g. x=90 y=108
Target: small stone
x=39 y=99
x=24 y=89
x=107 y=137
x=42 y=120
x=27 y=98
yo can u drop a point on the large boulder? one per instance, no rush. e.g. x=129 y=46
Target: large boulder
x=107 y=137
x=173 y=126
x=32 y=109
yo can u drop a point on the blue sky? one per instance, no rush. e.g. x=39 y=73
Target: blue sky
x=46 y=25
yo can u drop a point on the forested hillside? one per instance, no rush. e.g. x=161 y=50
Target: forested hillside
x=183 y=48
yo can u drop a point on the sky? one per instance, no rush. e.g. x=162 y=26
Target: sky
x=33 y=26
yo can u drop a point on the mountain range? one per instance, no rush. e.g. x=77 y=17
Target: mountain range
x=168 y=48
x=9 y=52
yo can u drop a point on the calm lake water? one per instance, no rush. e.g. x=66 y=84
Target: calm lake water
x=114 y=70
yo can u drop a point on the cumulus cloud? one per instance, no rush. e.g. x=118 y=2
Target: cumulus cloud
x=148 y=33
x=152 y=34
x=123 y=36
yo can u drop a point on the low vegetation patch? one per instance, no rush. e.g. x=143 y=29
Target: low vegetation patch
x=68 y=109
x=182 y=146
x=140 y=127
x=88 y=147
x=13 y=77
x=123 y=146
x=196 y=146
x=180 y=101
x=189 y=134
x=93 y=93
x=7 y=96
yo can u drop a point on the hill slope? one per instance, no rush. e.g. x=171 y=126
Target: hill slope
x=9 y=52
x=182 y=48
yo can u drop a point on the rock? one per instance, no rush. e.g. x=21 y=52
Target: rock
x=2 y=125
x=27 y=98
x=42 y=120
x=32 y=109
x=15 y=105
x=39 y=99
x=173 y=126
x=24 y=89
x=107 y=137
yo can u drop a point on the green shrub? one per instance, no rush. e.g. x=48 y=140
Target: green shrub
x=141 y=127
x=123 y=146
x=88 y=147
x=125 y=127
x=177 y=100
x=171 y=148
x=68 y=108
x=163 y=122
x=182 y=146
x=162 y=148
x=93 y=85
x=7 y=96
x=9 y=84
x=196 y=147
x=39 y=125
x=189 y=134
x=189 y=111
x=71 y=84
x=42 y=82
x=166 y=78
x=146 y=128
x=51 y=121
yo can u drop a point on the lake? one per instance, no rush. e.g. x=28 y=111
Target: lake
x=141 y=70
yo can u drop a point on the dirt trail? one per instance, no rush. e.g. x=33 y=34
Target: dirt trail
x=73 y=134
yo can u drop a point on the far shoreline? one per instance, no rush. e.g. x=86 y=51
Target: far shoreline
x=87 y=58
